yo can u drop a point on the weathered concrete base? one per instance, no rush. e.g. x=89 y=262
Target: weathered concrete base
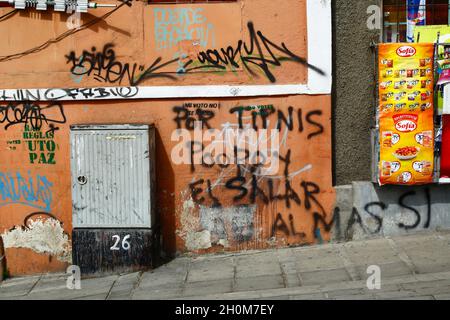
x=104 y=251
x=344 y=205
x=367 y=210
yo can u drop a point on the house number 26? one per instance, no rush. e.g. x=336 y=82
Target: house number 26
x=125 y=244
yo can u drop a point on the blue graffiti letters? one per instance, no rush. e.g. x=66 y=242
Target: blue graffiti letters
x=17 y=189
x=175 y=25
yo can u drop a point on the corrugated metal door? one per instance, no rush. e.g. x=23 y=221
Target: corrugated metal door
x=111 y=176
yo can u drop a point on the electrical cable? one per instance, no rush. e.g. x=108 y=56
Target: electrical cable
x=7 y=15
x=63 y=35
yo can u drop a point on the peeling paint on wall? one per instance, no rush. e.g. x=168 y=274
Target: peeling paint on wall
x=42 y=236
x=188 y=220
x=198 y=240
x=216 y=226
x=234 y=224
x=190 y=225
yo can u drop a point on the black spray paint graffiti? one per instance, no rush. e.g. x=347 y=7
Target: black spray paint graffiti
x=375 y=211
x=68 y=94
x=294 y=120
x=29 y=113
x=288 y=121
x=259 y=52
x=311 y=191
x=379 y=220
x=280 y=225
x=238 y=183
x=38 y=216
x=247 y=185
x=104 y=67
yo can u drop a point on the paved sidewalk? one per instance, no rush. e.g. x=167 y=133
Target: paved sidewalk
x=412 y=267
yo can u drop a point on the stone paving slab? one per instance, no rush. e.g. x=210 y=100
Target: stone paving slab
x=157 y=293
x=317 y=259
x=123 y=287
x=428 y=253
x=356 y=297
x=442 y=296
x=344 y=293
x=427 y=284
x=88 y=287
x=207 y=287
x=257 y=265
x=172 y=274
x=204 y=270
x=50 y=284
x=388 y=270
x=259 y=283
x=17 y=289
x=93 y=297
x=325 y=276
x=306 y=297
x=421 y=298
x=370 y=252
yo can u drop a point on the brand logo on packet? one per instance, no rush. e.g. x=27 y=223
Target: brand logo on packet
x=406 y=122
x=406 y=51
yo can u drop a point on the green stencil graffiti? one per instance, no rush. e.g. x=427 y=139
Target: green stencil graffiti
x=41 y=146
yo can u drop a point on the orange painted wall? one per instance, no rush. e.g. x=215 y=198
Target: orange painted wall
x=183 y=213
x=132 y=31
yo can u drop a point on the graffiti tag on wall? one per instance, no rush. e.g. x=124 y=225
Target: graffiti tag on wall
x=173 y=25
x=257 y=55
x=34 y=191
x=27 y=112
x=245 y=183
x=40 y=145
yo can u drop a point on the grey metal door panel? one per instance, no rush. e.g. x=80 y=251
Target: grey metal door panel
x=110 y=177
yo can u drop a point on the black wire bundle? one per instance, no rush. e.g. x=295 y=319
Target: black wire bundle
x=9 y=14
x=61 y=36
